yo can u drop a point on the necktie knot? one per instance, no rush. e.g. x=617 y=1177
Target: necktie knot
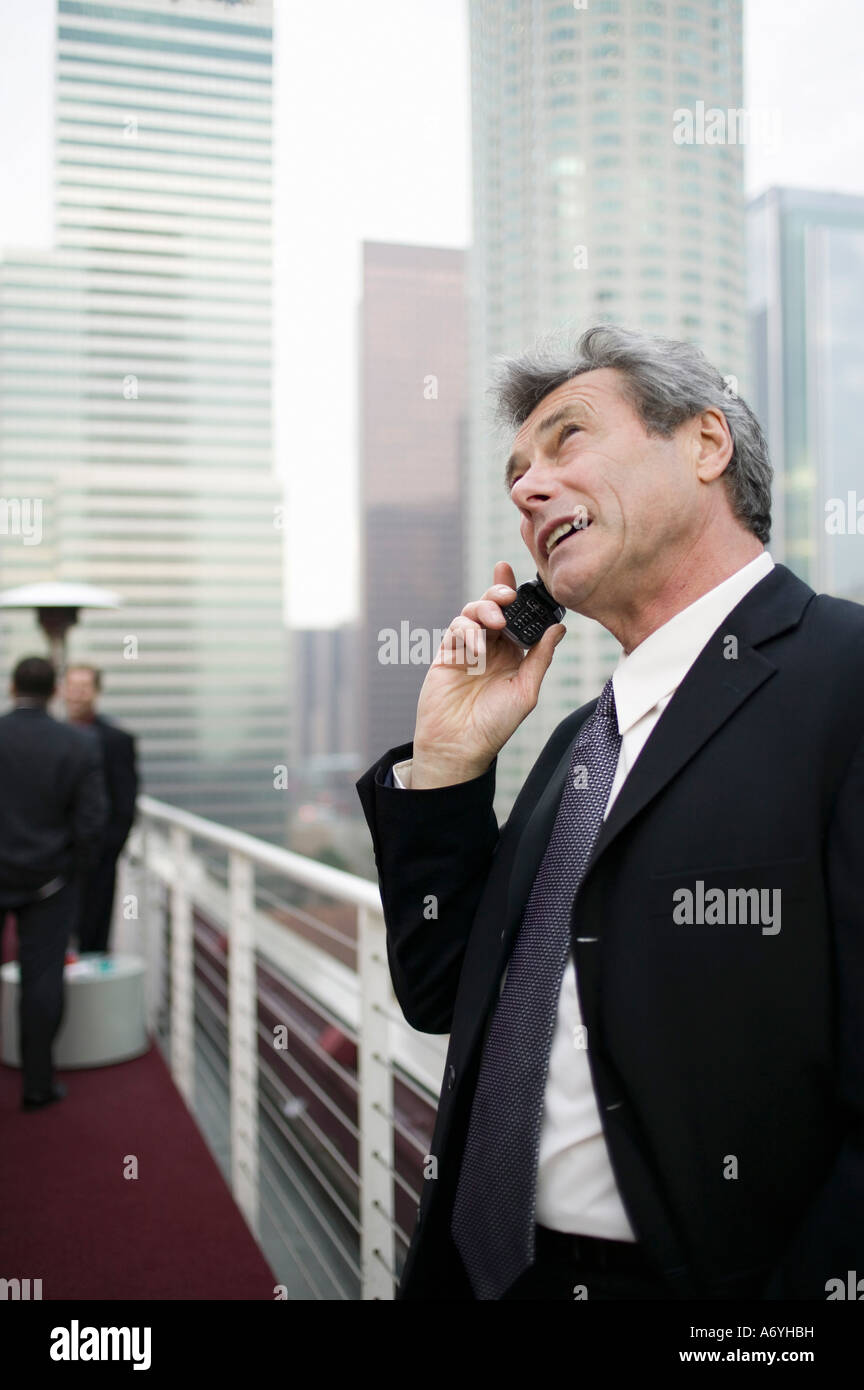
x=606 y=703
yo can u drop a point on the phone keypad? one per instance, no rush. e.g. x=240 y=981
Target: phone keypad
x=530 y=621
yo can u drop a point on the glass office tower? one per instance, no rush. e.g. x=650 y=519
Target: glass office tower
x=806 y=311
x=136 y=391
x=594 y=200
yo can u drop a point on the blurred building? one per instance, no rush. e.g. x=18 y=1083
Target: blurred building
x=326 y=759
x=806 y=308
x=413 y=364
x=595 y=199
x=135 y=391
x=325 y=673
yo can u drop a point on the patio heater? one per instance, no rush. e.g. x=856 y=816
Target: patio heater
x=57 y=606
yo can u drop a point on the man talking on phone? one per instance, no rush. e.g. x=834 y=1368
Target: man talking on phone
x=653 y=973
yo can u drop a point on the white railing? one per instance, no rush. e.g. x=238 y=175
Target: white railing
x=179 y=868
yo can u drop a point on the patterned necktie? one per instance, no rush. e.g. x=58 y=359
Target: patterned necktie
x=493 y=1214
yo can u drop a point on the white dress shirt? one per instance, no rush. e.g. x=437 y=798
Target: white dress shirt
x=576 y=1188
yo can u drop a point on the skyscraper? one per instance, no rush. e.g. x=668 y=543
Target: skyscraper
x=413 y=370
x=136 y=390
x=595 y=199
x=806 y=310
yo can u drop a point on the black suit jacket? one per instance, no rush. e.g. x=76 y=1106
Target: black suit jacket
x=121 y=781
x=707 y=1043
x=53 y=803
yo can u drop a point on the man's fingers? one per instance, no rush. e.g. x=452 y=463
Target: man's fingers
x=538 y=658
x=464 y=640
x=503 y=574
x=486 y=610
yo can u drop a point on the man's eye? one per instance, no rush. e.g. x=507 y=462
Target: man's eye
x=566 y=430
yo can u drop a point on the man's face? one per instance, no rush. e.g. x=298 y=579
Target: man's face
x=637 y=495
x=79 y=693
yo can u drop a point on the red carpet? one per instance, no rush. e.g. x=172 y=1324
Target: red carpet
x=70 y=1218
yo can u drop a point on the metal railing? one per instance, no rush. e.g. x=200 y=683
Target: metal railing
x=269 y=993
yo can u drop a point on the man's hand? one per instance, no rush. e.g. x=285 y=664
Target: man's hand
x=477 y=691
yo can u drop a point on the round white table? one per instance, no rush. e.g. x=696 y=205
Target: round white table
x=105 y=1015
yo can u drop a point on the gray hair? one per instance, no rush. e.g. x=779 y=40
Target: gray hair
x=668 y=382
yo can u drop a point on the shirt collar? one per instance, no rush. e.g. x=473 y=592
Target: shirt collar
x=659 y=664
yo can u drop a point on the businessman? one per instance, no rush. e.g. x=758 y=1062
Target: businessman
x=52 y=814
x=82 y=686
x=653 y=974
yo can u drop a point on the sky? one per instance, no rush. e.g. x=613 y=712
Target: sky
x=373 y=143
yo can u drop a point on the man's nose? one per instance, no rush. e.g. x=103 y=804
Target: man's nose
x=534 y=487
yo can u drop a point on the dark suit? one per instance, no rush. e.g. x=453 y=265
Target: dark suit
x=121 y=780
x=706 y=1042
x=52 y=813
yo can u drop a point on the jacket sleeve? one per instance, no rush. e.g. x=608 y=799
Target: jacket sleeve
x=123 y=774
x=830 y=1240
x=433 y=850
x=89 y=811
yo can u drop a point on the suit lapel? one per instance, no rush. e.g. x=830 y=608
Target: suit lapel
x=716 y=685
x=713 y=689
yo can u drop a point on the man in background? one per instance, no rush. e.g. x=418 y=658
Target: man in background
x=81 y=689
x=52 y=814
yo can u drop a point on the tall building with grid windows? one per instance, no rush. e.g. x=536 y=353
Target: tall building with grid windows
x=806 y=305
x=135 y=370
x=591 y=204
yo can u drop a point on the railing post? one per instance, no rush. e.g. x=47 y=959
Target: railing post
x=149 y=907
x=375 y=1106
x=243 y=1037
x=126 y=938
x=182 y=973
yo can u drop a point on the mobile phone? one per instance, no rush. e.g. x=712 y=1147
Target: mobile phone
x=532 y=611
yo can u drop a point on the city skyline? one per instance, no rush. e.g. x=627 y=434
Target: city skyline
x=406 y=182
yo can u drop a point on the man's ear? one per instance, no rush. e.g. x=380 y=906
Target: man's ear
x=713 y=444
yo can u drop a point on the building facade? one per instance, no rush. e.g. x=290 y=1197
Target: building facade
x=413 y=364
x=598 y=196
x=136 y=392
x=806 y=308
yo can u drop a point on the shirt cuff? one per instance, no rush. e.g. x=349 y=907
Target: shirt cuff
x=402 y=774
